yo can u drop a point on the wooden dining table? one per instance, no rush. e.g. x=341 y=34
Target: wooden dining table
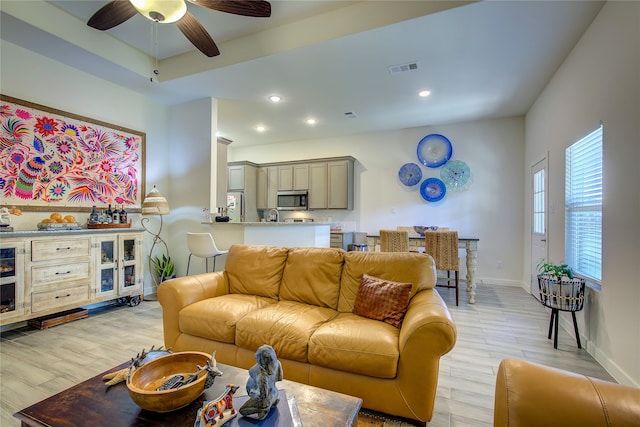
x=469 y=244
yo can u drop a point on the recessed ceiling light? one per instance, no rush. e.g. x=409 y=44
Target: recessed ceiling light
x=275 y=98
x=424 y=93
x=311 y=121
x=260 y=128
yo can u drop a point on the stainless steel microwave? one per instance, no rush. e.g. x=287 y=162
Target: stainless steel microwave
x=292 y=200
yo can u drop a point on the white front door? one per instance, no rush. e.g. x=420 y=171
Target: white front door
x=538 y=220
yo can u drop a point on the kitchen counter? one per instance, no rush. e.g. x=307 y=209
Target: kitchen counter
x=290 y=234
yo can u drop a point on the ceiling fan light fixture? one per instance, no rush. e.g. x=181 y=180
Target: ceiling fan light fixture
x=163 y=11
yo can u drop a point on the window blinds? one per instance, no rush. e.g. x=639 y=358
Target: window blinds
x=583 y=206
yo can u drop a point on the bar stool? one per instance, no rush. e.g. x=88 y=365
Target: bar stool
x=394 y=241
x=202 y=245
x=443 y=247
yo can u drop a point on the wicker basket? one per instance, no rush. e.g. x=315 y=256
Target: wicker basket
x=561 y=293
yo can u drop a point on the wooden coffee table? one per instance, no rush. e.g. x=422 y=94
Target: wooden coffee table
x=92 y=403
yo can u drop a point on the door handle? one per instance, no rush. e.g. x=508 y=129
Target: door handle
x=543 y=240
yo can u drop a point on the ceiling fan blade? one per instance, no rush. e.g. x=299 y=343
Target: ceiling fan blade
x=255 y=8
x=112 y=14
x=197 y=35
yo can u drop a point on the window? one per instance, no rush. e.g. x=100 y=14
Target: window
x=538 y=202
x=583 y=206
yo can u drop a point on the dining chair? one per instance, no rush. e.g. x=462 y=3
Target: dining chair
x=412 y=233
x=202 y=245
x=394 y=241
x=442 y=245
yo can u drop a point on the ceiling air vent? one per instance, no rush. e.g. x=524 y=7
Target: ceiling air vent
x=395 y=69
x=350 y=115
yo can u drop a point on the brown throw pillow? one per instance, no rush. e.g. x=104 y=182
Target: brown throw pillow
x=383 y=300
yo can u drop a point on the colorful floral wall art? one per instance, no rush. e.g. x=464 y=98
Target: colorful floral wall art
x=56 y=160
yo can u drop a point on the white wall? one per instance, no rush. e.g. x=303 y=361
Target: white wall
x=36 y=78
x=490 y=209
x=599 y=81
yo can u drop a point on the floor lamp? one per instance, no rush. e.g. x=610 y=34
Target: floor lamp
x=154 y=204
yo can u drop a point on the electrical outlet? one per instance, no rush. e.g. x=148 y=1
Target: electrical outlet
x=394 y=211
x=499 y=264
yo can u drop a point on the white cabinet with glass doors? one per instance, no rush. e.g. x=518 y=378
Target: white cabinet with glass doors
x=119 y=267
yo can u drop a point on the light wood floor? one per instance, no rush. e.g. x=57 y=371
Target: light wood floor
x=504 y=322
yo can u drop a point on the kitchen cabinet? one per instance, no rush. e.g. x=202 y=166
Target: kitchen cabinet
x=301 y=176
x=293 y=177
x=341 y=240
x=11 y=279
x=285 y=178
x=331 y=184
x=235 y=178
x=44 y=272
x=243 y=178
x=267 y=192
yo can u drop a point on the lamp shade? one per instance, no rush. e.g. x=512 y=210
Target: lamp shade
x=155 y=203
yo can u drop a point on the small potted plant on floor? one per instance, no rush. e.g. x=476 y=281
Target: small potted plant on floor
x=559 y=288
x=164 y=266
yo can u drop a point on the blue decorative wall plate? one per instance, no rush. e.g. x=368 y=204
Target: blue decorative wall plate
x=410 y=174
x=455 y=174
x=432 y=189
x=434 y=150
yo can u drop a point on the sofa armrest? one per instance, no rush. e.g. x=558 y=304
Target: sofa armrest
x=175 y=294
x=427 y=333
x=528 y=394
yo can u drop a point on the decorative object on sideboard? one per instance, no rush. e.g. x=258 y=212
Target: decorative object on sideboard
x=155 y=204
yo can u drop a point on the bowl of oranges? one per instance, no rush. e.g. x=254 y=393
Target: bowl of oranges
x=56 y=221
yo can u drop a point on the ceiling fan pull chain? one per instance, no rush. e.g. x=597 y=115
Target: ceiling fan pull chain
x=154 y=45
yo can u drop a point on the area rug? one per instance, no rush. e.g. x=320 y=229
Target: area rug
x=367 y=418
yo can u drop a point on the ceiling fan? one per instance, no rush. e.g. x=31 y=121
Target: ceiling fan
x=168 y=11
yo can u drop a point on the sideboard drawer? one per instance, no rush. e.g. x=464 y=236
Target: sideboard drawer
x=48 y=274
x=43 y=250
x=41 y=301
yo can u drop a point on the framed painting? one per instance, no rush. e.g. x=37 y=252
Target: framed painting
x=51 y=159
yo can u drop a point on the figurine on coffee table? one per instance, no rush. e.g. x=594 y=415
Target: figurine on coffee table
x=261 y=385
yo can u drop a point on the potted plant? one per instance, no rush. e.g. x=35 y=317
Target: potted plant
x=165 y=268
x=559 y=288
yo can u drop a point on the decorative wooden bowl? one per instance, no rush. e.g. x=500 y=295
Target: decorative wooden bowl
x=146 y=379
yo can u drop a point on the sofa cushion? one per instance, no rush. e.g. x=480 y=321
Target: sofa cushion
x=405 y=267
x=286 y=326
x=216 y=318
x=312 y=276
x=255 y=270
x=382 y=300
x=356 y=344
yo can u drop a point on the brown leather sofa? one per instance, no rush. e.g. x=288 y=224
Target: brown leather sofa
x=532 y=395
x=300 y=301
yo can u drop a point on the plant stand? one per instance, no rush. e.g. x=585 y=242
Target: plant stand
x=561 y=294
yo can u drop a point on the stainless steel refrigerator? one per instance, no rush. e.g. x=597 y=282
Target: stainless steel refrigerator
x=236 y=206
